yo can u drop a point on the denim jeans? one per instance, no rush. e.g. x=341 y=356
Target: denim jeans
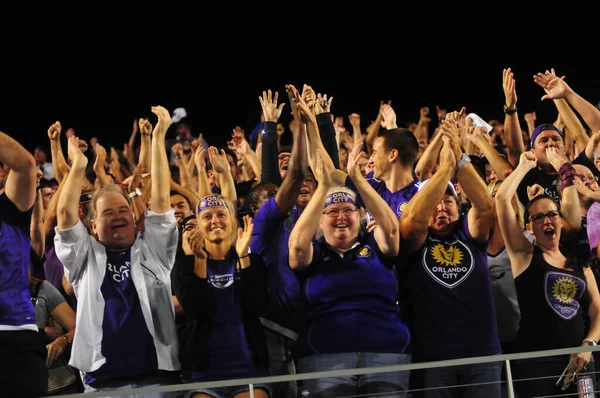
x=394 y=384
x=227 y=392
x=159 y=380
x=483 y=380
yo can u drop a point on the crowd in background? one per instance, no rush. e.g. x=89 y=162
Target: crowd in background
x=324 y=243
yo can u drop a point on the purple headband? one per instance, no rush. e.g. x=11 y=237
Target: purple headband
x=339 y=197
x=210 y=201
x=544 y=127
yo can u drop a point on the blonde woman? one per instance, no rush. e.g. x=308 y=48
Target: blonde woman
x=223 y=288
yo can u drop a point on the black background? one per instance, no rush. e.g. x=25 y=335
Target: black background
x=99 y=70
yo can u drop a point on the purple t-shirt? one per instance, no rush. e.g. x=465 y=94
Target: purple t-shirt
x=16 y=308
x=270 y=241
x=452 y=313
x=351 y=302
x=396 y=200
x=127 y=344
x=53 y=268
x=230 y=354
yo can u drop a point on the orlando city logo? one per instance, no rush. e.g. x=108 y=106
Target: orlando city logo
x=562 y=292
x=448 y=263
x=221 y=281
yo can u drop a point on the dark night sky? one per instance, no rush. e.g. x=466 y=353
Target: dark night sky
x=97 y=75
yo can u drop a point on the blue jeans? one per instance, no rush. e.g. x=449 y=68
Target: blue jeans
x=159 y=380
x=393 y=383
x=227 y=392
x=483 y=379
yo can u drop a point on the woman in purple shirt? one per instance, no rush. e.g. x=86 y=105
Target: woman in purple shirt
x=349 y=288
x=224 y=288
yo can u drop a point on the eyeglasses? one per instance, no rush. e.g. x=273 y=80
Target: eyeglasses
x=539 y=218
x=189 y=227
x=334 y=213
x=586 y=178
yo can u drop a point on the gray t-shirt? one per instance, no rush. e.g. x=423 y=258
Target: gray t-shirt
x=47 y=300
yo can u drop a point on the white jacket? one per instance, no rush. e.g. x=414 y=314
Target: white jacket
x=84 y=260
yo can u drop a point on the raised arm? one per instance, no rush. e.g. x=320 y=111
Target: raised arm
x=51 y=212
x=512 y=127
x=373 y=128
x=221 y=167
x=56 y=152
x=477 y=135
x=570 y=206
x=556 y=87
x=297 y=168
x=428 y=160
x=387 y=233
x=481 y=215
x=131 y=143
x=200 y=161
x=326 y=128
x=68 y=202
x=414 y=222
x=145 y=159
x=300 y=240
x=314 y=140
x=242 y=148
x=37 y=231
x=21 y=181
x=519 y=249
x=161 y=173
x=422 y=130
x=99 y=168
x=269 y=170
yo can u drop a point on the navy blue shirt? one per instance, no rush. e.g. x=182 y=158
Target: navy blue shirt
x=270 y=241
x=127 y=344
x=452 y=313
x=230 y=353
x=351 y=302
x=16 y=308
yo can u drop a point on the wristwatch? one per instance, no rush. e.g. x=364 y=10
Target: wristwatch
x=463 y=160
x=510 y=111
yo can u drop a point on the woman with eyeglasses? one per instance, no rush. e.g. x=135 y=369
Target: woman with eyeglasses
x=553 y=288
x=349 y=287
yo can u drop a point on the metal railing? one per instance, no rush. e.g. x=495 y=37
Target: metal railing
x=507 y=358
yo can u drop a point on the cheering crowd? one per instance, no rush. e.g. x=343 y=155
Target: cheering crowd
x=306 y=245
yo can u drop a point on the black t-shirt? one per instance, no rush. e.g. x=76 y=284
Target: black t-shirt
x=549 y=181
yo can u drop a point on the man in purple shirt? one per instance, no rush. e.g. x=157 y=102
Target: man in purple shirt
x=447 y=280
x=22 y=350
x=126 y=335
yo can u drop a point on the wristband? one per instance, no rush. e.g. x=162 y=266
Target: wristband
x=567 y=175
x=244 y=256
x=588 y=340
x=464 y=159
